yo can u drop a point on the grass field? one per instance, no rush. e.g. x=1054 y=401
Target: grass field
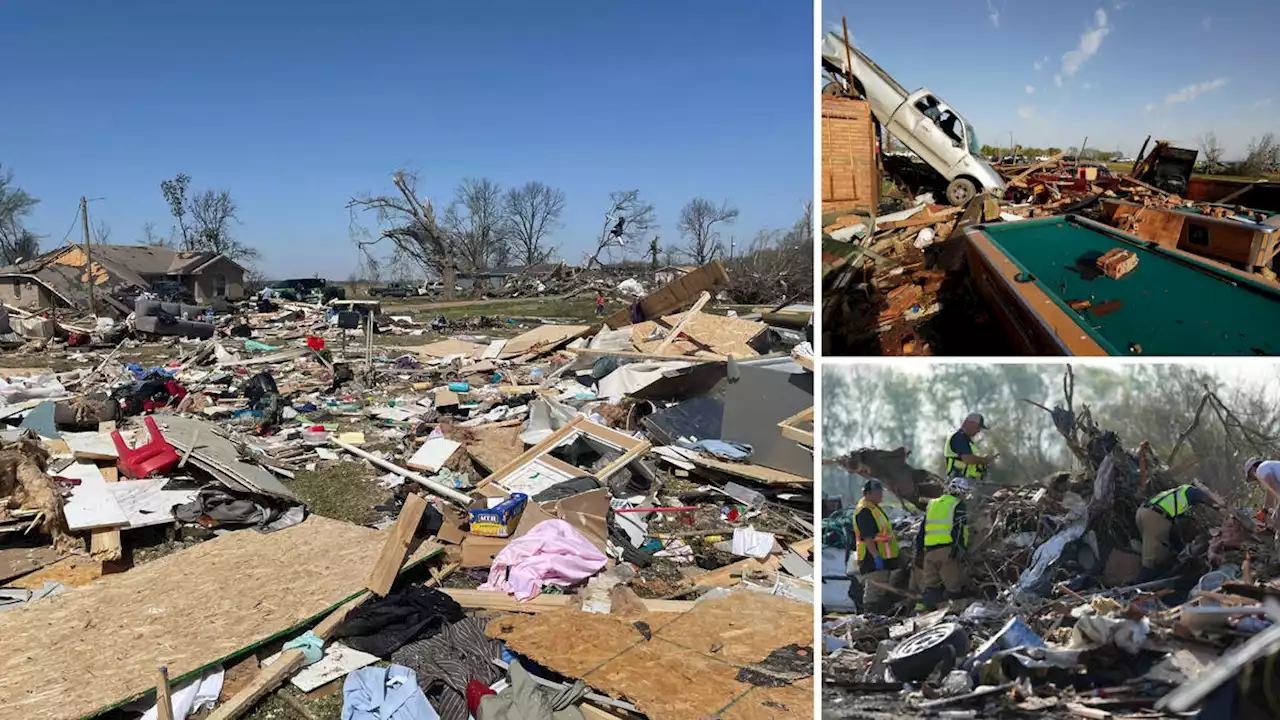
x=1122 y=168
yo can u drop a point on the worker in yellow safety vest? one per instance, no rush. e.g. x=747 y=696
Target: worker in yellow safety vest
x=877 y=549
x=941 y=545
x=961 y=450
x=1156 y=518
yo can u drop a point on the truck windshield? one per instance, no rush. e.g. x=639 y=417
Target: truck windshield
x=974 y=147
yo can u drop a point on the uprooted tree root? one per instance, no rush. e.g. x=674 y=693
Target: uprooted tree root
x=25 y=486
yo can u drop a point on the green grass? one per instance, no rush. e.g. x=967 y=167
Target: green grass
x=1123 y=168
x=342 y=491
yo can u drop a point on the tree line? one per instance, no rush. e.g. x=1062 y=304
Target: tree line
x=486 y=226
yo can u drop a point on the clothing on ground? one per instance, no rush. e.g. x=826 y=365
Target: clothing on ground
x=552 y=553
x=389 y=693
x=524 y=700
x=447 y=661
x=382 y=626
x=228 y=508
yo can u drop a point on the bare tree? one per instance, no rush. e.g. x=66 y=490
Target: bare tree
x=102 y=233
x=532 y=211
x=1212 y=150
x=410 y=224
x=205 y=219
x=628 y=220
x=151 y=238
x=697 y=225
x=654 y=249
x=475 y=220
x=16 y=242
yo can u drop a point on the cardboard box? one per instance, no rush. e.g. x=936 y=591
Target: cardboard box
x=479 y=551
x=500 y=520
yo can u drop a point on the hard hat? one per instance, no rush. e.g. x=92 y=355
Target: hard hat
x=959 y=483
x=1251 y=464
x=871 y=486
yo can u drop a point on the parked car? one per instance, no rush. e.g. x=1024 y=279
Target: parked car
x=316 y=290
x=920 y=120
x=392 y=290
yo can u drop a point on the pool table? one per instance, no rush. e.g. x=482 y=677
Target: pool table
x=1039 y=278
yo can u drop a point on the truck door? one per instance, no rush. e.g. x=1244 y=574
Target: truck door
x=917 y=128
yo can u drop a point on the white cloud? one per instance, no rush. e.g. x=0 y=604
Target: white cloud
x=1120 y=5
x=1148 y=107
x=1037 y=65
x=1263 y=102
x=1027 y=112
x=1090 y=43
x=993 y=13
x=1031 y=89
x=1206 y=23
x=1057 y=79
x=1190 y=92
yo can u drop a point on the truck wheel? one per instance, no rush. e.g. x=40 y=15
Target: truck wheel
x=961 y=191
x=916 y=657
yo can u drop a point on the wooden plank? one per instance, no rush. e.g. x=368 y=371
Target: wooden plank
x=624 y=460
x=393 y=552
x=675 y=330
x=920 y=219
x=675 y=294
x=545 y=446
x=1021 y=178
x=433 y=455
x=724 y=335
x=751 y=471
x=164 y=703
x=731 y=574
x=104 y=543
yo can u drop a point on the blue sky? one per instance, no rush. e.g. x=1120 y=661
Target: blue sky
x=1055 y=72
x=296 y=106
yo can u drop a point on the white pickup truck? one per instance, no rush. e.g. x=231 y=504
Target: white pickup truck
x=927 y=126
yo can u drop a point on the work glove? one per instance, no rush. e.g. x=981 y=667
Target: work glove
x=879 y=562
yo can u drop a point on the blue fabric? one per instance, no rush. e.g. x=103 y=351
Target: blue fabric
x=389 y=693
x=725 y=450
x=310 y=644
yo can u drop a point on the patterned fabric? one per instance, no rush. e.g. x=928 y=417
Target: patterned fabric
x=456 y=655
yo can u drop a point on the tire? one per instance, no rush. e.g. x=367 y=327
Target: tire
x=916 y=657
x=960 y=191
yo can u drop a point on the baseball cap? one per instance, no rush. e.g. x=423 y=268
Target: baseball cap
x=976 y=417
x=1251 y=464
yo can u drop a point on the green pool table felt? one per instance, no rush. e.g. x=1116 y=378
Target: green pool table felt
x=1168 y=305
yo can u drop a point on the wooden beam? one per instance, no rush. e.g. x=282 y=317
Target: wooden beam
x=688 y=317
x=675 y=294
x=543 y=447
x=622 y=461
x=105 y=544
x=397 y=545
x=164 y=703
x=1022 y=176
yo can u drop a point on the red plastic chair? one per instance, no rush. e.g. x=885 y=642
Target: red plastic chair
x=155 y=457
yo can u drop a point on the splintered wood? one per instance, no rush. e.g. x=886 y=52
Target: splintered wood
x=1116 y=263
x=690 y=665
x=724 y=335
x=80 y=652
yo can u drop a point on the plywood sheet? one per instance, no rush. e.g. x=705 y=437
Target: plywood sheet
x=496 y=445
x=675 y=674
x=91 y=505
x=183 y=611
x=20 y=560
x=543 y=338
x=790 y=702
x=725 y=335
x=445 y=348
x=737 y=624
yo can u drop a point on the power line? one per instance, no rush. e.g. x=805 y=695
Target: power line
x=73 y=223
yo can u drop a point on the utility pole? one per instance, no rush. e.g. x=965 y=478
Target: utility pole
x=88 y=257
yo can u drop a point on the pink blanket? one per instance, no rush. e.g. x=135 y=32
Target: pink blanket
x=552 y=553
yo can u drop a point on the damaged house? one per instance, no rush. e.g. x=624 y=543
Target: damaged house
x=58 y=278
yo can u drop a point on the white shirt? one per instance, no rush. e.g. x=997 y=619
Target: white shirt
x=1269 y=473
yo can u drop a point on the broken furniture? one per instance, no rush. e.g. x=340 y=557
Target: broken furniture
x=1246 y=239
x=155 y=456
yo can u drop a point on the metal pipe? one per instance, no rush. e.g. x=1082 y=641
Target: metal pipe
x=435 y=487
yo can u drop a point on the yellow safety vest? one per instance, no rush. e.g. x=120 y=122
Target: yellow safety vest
x=957 y=467
x=1172 y=502
x=939 y=519
x=886 y=542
